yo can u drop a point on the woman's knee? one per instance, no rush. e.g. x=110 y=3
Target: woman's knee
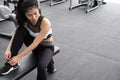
x=21 y=30
x=41 y=67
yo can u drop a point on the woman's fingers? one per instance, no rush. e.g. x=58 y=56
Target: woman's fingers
x=7 y=56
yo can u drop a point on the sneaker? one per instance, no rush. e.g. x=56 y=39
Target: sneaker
x=8 y=68
x=52 y=72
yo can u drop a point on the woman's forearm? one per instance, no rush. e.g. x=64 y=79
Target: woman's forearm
x=31 y=47
x=26 y=51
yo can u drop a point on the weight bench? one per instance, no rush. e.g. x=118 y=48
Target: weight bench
x=27 y=64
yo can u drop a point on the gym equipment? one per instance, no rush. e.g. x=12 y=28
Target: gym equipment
x=14 y=2
x=53 y=2
x=90 y=4
x=6 y=13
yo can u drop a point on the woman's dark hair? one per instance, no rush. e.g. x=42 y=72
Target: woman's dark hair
x=27 y=4
x=21 y=9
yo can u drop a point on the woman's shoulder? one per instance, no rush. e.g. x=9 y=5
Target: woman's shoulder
x=46 y=21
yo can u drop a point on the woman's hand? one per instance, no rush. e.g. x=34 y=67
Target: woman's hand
x=14 y=60
x=7 y=55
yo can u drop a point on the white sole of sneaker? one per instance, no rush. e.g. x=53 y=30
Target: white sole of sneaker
x=7 y=71
x=12 y=69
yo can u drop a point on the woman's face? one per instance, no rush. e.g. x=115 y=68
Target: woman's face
x=32 y=15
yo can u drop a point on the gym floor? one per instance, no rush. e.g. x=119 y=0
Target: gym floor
x=90 y=43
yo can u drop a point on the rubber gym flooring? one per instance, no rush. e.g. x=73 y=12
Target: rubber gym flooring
x=90 y=43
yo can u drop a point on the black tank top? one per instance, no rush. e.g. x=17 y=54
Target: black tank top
x=35 y=28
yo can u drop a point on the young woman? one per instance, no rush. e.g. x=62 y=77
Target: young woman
x=35 y=32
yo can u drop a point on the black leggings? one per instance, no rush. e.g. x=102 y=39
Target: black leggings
x=43 y=54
